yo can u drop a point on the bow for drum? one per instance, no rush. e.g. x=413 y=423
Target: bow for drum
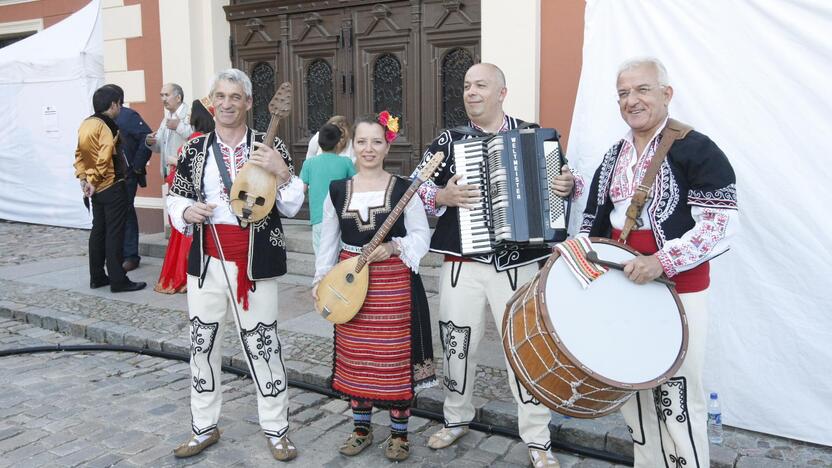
x=210 y=223
x=592 y=256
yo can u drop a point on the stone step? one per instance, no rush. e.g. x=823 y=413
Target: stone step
x=300 y=258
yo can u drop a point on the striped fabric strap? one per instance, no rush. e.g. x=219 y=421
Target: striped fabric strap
x=573 y=251
x=350 y=248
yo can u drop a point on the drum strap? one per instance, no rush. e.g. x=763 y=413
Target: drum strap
x=674 y=130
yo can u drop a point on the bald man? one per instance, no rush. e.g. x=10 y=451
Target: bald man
x=471 y=287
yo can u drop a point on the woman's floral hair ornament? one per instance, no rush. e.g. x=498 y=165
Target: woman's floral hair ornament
x=390 y=124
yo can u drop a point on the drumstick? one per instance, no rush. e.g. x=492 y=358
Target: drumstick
x=592 y=256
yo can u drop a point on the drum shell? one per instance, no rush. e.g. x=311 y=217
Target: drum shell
x=548 y=370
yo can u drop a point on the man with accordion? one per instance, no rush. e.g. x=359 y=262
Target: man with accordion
x=480 y=273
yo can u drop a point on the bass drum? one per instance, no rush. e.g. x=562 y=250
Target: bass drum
x=584 y=352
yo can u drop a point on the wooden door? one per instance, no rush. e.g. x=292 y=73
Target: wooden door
x=354 y=57
x=318 y=65
x=450 y=45
x=386 y=74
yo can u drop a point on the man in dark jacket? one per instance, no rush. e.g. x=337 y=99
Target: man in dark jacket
x=132 y=130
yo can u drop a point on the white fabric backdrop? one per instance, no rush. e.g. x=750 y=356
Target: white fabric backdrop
x=59 y=68
x=755 y=77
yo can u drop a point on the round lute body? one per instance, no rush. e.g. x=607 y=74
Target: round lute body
x=254 y=189
x=342 y=291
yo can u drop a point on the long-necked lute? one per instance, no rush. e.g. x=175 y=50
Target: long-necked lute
x=254 y=189
x=342 y=291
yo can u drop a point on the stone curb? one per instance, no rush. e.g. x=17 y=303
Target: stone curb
x=596 y=434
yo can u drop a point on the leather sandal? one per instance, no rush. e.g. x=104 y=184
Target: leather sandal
x=446 y=436
x=397 y=449
x=282 y=448
x=543 y=458
x=193 y=446
x=356 y=443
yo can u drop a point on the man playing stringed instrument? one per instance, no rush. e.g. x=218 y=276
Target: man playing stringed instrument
x=254 y=257
x=384 y=352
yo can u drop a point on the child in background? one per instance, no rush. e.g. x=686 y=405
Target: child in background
x=319 y=171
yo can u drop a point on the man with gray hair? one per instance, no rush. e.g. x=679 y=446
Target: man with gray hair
x=678 y=223
x=225 y=255
x=175 y=128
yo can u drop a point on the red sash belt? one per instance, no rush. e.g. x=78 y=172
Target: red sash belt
x=693 y=280
x=234 y=243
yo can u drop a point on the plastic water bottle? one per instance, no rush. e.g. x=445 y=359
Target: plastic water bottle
x=714 y=420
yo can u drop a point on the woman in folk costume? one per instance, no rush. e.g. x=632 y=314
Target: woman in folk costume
x=174 y=276
x=384 y=353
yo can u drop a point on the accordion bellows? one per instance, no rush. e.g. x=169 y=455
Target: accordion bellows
x=512 y=170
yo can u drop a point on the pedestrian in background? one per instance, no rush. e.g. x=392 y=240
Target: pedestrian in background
x=317 y=173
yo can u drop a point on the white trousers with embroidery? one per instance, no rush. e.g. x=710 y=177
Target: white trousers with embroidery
x=208 y=308
x=481 y=291
x=669 y=423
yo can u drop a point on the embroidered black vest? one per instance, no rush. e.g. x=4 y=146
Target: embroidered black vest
x=446 y=237
x=695 y=173
x=356 y=232
x=266 y=237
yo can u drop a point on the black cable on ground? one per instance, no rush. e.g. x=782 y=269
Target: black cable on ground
x=477 y=426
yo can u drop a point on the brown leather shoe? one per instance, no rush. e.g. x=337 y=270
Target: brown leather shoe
x=397 y=449
x=130 y=264
x=193 y=447
x=356 y=443
x=282 y=448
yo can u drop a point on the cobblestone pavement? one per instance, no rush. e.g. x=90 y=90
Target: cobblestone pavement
x=101 y=409
x=23 y=243
x=53 y=406
x=491 y=383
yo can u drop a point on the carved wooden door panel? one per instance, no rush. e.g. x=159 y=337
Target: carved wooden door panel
x=450 y=45
x=386 y=51
x=353 y=57
x=259 y=56
x=318 y=64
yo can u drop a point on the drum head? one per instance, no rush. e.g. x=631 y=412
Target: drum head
x=621 y=331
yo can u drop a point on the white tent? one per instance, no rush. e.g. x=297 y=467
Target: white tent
x=46 y=86
x=753 y=76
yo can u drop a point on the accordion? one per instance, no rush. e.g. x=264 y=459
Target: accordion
x=513 y=171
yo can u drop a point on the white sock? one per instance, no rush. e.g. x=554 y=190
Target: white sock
x=201 y=438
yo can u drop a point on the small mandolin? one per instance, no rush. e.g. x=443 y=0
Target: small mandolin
x=342 y=291
x=254 y=189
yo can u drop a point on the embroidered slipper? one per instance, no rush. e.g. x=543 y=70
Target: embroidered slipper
x=446 y=436
x=543 y=458
x=196 y=444
x=397 y=449
x=282 y=448
x=356 y=443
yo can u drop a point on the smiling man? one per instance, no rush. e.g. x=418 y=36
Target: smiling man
x=254 y=256
x=688 y=218
x=472 y=288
